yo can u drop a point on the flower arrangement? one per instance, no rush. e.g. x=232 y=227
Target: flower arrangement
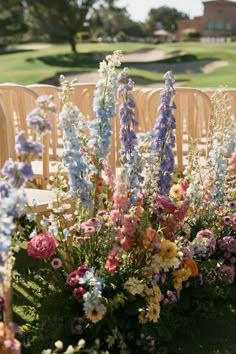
x=124 y=248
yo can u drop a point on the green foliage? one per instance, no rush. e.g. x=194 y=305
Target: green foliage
x=190 y=34
x=62 y=20
x=115 y=23
x=164 y=17
x=12 y=22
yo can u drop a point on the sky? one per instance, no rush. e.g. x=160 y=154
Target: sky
x=138 y=9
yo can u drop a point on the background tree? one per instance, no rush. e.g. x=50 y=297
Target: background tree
x=164 y=18
x=12 y=21
x=61 y=19
x=111 y=21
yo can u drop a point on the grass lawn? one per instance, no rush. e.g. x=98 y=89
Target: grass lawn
x=41 y=65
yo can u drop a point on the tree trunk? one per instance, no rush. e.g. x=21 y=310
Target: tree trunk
x=72 y=42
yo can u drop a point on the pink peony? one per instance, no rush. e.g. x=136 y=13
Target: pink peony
x=42 y=246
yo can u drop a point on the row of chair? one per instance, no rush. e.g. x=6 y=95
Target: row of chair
x=194 y=108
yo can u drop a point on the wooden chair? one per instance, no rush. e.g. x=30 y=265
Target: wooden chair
x=4 y=150
x=16 y=102
x=83 y=98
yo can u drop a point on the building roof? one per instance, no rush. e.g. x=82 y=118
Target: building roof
x=161 y=33
x=219 y=2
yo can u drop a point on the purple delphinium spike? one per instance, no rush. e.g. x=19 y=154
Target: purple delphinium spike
x=164 y=138
x=129 y=157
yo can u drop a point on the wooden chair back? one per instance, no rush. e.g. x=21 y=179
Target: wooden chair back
x=83 y=98
x=4 y=149
x=17 y=102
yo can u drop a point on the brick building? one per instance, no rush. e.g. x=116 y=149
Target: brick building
x=218 y=20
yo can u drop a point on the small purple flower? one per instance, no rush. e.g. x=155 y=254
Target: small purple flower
x=172 y=296
x=18 y=173
x=38 y=122
x=24 y=146
x=228 y=271
x=227 y=244
x=4 y=189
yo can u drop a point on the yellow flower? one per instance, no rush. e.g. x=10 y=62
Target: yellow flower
x=134 y=286
x=94 y=315
x=142 y=316
x=152 y=295
x=176 y=191
x=181 y=275
x=147 y=292
x=168 y=249
x=153 y=312
x=157 y=292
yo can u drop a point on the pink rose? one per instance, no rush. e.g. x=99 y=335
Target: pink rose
x=73 y=278
x=78 y=293
x=42 y=246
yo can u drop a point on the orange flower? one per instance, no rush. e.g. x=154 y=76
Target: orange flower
x=151 y=237
x=190 y=263
x=139 y=211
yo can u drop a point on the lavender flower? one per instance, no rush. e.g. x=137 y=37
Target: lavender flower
x=130 y=158
x=127 y=118
x=164 y=139
x=40 y=124
x=37 y=119
x=24 y=146
x=18 y=173
x=157 y=146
